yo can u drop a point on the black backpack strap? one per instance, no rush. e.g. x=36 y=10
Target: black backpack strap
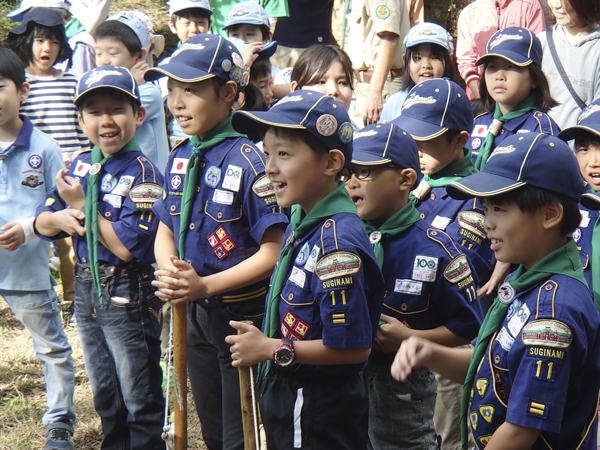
x=561 y=70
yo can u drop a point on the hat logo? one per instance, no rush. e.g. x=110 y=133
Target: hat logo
x=588 y=112
x=291 y=98
x=365 y=134
x=427 y=32
x=345 y=132
x=504 y=37
x=416 y=100
x=241 y=12
x=326 y=125
x=188 y=46
x=97 y=75
x=500 y=150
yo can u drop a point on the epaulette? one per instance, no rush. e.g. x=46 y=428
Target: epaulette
x=148 y=170
x=254 y=156
x=329 y=241
x=442 y=239
x=89 y=150
x=335 y=268
x=545 y=123
x=482 y=114
x=180 y=143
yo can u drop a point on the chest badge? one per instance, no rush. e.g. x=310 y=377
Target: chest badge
x=31 y=181
x=35 y=161
x=375 y=237
x=221 y=243
x=506 y=293
x=212 y=176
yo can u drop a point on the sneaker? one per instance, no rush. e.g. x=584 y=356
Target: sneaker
x=59 y=436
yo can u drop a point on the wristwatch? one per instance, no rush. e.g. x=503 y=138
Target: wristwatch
x=283 y=355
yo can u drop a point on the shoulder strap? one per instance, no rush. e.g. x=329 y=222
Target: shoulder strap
x=561 y=70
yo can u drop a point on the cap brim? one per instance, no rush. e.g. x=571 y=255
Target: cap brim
x=570 y=133
x=513 y=57
x=481 y=184
x=177 y=71
x=95 y=88
x=368 y=159
x=591 y=200
x=249 y=122
x=419 y=130
x=17 y=14
x=269 y=48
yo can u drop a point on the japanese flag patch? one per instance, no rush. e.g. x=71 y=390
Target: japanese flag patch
x=81 y=169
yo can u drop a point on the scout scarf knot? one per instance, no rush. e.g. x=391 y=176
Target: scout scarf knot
x=200 y=146
x=400 y=221
x=91 y=208
x=564 y=261
x=521 y=109
x=336 y=202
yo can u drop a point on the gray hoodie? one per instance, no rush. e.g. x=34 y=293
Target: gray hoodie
x=581 y=62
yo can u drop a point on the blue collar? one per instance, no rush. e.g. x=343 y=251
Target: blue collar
x=24 y=136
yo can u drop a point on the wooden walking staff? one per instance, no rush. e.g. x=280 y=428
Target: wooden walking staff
x=179 y=362
x=249 y=405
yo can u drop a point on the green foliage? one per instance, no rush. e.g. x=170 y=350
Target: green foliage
x=6 y=24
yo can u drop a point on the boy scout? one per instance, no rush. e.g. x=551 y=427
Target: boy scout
x=430 y=290
x=326 y=294
x=118 y=315
x=533 y=377
x=217 y=195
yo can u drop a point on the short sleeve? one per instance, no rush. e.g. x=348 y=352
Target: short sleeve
x=388 y=15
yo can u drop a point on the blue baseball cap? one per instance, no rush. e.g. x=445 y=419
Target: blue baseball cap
x=202 y=57
x=179 y=5
x=321 y=115
x=429 y=33
x=533 y=159
x=588 y=120
x=18 y=13
x=268 y=49
x=434 y=107
x=41 y=16
x=247 y=13
x=139 y=23
x=380 y=144
x=516 y=44
x=113 y=77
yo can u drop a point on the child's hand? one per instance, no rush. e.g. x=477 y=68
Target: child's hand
x=390 y=335
x=138 y=70
x=13 y=236
x=250 y=53
x=179 y=282
x=501 y=271
x=251 y=347
x=70 y=190
x=69 y=221
x=414 y=352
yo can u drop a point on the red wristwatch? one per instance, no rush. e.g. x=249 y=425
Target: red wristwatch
x=284 y=354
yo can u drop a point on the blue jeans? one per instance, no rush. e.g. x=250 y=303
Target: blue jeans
x=401 y=413
x=120 y=340
x=39 y=313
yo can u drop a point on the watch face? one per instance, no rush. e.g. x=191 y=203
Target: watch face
x=284 y=356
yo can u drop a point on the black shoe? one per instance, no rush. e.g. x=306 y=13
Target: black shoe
x=59 y=436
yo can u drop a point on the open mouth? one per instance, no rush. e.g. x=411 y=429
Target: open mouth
x=183 y=120
x=278 y=186
x=595 y=178
x=357 y=200
x=109 y=135
x=426 y=75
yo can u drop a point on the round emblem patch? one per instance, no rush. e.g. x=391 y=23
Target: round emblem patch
x=302 y=255
x=383 y=12
x=245 y=79
x=326 y=125
x=236 y=74
x=95 y=169
x=35 y=161
x=577 y=235
x=108 y=183
x=475 y=143
x=175 y=182
x=375 y=237
x=213 y=176
x=237 y=60
x=345 y=132
x=506 y=293
x=226 y=65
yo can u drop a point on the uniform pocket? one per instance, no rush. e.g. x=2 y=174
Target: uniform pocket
x=407 y=303
x=223 y=213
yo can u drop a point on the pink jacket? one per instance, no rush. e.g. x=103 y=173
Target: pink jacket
x=482 y=18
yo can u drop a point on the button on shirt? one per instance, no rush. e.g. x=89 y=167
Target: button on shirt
x=542 y=369
x=121 y=202
x=334 y=290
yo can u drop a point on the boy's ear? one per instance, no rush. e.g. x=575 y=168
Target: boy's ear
x=140 y=115
x=461 y=139
x=172 y=26
x=24 y=92
x=229 y=91
x=335 y=162
x=294 y=86
x=408 y=178
x=81 y=122
x=553 y=215
x=143 y=54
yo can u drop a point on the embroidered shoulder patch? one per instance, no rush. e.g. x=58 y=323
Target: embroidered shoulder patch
x=337 y=264
x=457 y=270
x=547 y=333
x=383 y=12
x=145 y=193
x=263 y=187
x=472 y=221
x=49 y=201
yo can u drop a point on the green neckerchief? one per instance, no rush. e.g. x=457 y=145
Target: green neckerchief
x=454 y=172
x=217 y=135
x=564 y=261
x=73 y=27
x=337 y=201
x=402 y=220
x=521 y=109
x=596 y=261
x=91 y=208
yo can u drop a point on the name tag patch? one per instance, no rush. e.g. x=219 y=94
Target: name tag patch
x=441 y=223
x=425 y=268
x=585 y=218
x=408 y=287
x=505 y=339
x=223 y=197
x=233 y=178
x=113 y=200
x=298 y=277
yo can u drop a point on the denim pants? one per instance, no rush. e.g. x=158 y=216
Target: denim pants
x=401 y=413
x=38 y=312
x=215 y=382
x=120 y=340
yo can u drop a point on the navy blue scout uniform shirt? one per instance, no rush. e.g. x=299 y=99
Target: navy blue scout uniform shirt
x=583 y=238
x=234 y=206
x=428 y=283
x=541 y=369
x=533 y=121
x=334 y=290
x=129 y=185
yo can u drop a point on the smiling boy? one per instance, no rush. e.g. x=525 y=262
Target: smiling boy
x=533 y=378
x=326 y=294
x=105 y=203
